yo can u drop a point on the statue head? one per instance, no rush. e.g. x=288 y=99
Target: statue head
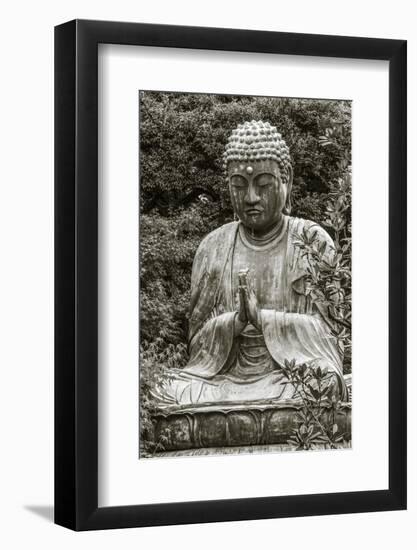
x=259 y=172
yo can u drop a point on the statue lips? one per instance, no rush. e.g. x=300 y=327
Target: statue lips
x=253 y=211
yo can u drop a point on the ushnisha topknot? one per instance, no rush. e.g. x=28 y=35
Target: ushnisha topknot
x=256 y=140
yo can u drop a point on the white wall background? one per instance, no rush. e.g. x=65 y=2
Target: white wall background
x=26 y=286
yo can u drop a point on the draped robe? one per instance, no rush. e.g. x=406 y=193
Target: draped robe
x=293 y=327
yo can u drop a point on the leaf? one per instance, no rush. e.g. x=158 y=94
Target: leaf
x=322 y=247
x=315 y=393
x=326 y=390
x=303 y=429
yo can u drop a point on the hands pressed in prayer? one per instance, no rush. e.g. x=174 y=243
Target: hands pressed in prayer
x=248 y=311
x=252 y=310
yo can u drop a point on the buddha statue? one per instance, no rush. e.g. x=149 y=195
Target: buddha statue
x=250 y=310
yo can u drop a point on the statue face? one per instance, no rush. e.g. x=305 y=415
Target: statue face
x=258 y=193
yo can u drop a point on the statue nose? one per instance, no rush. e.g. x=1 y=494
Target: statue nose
x=251 y=196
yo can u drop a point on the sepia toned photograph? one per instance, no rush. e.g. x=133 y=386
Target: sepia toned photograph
x=245 y=256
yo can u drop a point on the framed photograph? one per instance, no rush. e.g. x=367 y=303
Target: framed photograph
x=230 y=254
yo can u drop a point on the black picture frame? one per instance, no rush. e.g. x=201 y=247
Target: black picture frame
x=76 y=272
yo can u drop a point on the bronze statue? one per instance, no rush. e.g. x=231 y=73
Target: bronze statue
x=250 y=310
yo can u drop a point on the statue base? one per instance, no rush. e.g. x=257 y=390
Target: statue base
x=234 y=425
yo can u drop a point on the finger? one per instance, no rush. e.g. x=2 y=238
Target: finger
x=242 y=296
x=247 y=302
x=253 y=296
x=246 y=297
x=250 y=299
x=251 y=308
x=250 y=285
x=242 y=304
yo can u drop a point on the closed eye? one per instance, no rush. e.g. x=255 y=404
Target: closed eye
x=238 y=181
x=264 y=180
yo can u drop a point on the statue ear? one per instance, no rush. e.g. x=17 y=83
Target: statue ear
x=289 y=178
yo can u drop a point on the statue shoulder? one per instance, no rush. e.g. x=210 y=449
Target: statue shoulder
x=220 y=236
x=300 y=226
x=212 y=251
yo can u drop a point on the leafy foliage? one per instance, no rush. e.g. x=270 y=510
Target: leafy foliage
x=329 y=277
x=156 y=358
x=316 y=427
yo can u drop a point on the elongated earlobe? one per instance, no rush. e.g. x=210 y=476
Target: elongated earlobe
x=287 y=208
x=289 y=177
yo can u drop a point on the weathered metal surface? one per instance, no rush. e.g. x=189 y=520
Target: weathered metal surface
x=238 y=425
